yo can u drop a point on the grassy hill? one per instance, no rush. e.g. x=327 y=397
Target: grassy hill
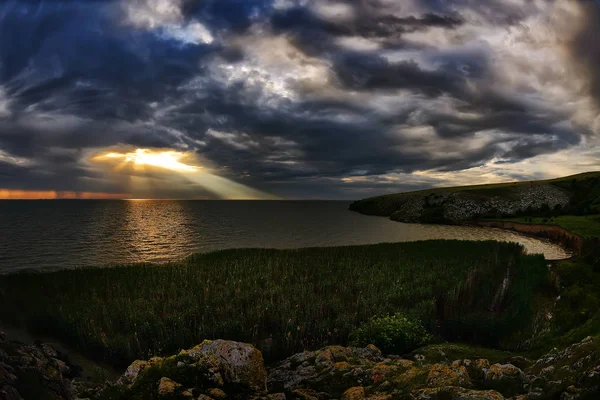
x=571 y=195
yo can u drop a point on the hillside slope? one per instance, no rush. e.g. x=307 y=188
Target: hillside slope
x=572 y=195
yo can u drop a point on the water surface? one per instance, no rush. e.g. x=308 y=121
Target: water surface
x=53 y=234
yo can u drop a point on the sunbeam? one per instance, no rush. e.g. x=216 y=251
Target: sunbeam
x=150 y=170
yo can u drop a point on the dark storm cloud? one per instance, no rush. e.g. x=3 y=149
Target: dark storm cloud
x=315 y=35
x=585 y=48
x=78 y=77
x=370 y=25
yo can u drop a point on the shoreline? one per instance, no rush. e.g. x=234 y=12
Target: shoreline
x=570 y=241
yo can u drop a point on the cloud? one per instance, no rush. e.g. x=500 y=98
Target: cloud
x=299 y=98
x=166 y=17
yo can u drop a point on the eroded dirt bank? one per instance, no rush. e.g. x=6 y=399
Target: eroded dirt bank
x=569 y=240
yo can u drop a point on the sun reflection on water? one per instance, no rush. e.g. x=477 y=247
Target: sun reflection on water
x=155 y=233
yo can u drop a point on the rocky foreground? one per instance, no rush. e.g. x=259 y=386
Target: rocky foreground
x=231 y=370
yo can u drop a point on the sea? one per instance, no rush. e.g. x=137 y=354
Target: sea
x=46 y=235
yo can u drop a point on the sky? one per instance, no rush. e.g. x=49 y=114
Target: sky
x=293 y=99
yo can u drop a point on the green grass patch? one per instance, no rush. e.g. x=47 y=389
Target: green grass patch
x=576 y=312
x=283 y=301
x=587 y=226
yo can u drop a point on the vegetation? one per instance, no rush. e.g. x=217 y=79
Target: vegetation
x=392 y=334
x=283 y=301
x=577 y=313
x=587 y=226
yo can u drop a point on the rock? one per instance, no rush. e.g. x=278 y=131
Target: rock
x=448 y=375
x=463 y=205
x=168 y=387
x=475 y=368
x=187 y=394
x=7 y=375
x=302 y=394
x=216 y=394
x=239 y=363
x=355 y=393
x=49 y=350
x=133 y=371
x=219 y=370
x=9 y=393
x=506 y=378
x=63 y=367
x=332 y=369
x=34 y=367
x=455 y=393
x=520 y=362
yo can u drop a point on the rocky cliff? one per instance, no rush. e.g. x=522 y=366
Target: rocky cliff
x=453 y=206
x=231 y=370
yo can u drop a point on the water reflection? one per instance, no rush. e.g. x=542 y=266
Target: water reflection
x=69 y=234
x=154 y=231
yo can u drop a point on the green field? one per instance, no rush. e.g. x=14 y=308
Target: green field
x=587 y=226
x=283 y=301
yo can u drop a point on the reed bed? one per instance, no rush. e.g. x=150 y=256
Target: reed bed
x=283 y=301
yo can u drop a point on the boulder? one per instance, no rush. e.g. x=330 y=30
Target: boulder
x=9 y=393
x=448 y=375
x=36 y=369
x=455 y=393
x=216 y=394
x=332 y=369
x=506 y=378
x=476 y=368
x=167 y=387
x=240 y=364
x=133 y=372
x=355 y=393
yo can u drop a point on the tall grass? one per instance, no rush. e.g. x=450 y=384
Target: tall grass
x=281 y=300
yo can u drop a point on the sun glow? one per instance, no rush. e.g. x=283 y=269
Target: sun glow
x=166 y=159
x=146 y=172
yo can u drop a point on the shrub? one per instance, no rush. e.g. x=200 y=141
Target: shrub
x=391 y=334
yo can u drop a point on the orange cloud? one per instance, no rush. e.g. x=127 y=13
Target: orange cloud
x=12 y=194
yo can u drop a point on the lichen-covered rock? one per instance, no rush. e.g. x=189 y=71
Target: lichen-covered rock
x=332 y=369
x=476 y=368
x=133 y=371
x=277 y=396
x=571 y=373
x=355 y=393
x=218 y=370
x=167 y=387
x=239 y=363
x=187 y=394
x=506 y=378
x=448 y=375
x=455 y=393
x=308 y=394
x=216 y=394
